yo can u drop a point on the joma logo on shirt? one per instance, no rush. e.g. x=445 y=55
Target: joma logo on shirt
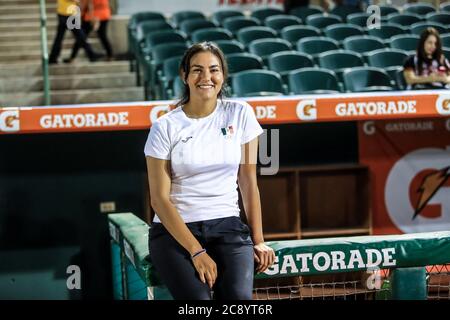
x=186 y=139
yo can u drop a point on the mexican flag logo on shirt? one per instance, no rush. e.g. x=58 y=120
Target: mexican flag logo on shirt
x=227 y=132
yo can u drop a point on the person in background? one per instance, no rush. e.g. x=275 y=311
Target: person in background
x=428 y=68
x=95 y=17
x=65 y=10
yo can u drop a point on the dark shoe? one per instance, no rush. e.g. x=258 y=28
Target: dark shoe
x=68 y=60
x=95 y=57
x=52 y=61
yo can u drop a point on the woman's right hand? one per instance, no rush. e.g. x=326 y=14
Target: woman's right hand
x=206 y=268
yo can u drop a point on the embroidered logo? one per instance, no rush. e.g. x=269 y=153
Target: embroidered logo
x=186 y=139
x=227 y=132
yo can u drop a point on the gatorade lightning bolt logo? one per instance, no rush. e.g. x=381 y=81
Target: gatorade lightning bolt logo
x=429 y=186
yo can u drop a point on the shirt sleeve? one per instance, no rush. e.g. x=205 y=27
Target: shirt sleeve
x=409 y=63
x=158 y=142
x=251 y=126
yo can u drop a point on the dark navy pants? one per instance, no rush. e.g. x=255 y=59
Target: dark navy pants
x=226 y=240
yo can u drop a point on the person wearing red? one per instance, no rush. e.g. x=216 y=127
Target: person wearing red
x=95 y=18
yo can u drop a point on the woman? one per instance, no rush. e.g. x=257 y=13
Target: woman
x=197 y=240
x=428 y=68
x=95 y=17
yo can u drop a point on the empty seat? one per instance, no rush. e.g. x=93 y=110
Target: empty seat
x=339 y=60
x=367 y=79
x=257 y=83
x=265 y=47
x=341 y=31
x=386 y=31
x=445 y=7
x=386 y=10
x=419 y=8
x=211 y=34
x=180 y=16
x=407 y=42
x=313 y=80
x=445 y=40
x=189 y=26
x=358 y=19
x=278 y=22
x=164 y=36
x=303 y=12
x=262 y=14
x=404 y=19
x=344 y=11
x=169 y=71
x=441 y=17
x=322 y=21
x=219 y=16
x=316 y=45
x=230 y=46
x=418 y=28
x=362 y=44
x=287 y=61
x=295 y=33
x=400 y=79
x=249 y=34
x=387 y=59
x=234 y=24
x=177 y=89
x=238 y=62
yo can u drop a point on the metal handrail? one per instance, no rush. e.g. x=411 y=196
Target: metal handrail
x=45 y=65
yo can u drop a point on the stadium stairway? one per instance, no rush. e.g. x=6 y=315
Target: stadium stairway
x=21 y=81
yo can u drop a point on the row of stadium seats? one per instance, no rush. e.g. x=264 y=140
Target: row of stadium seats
x=154 y=40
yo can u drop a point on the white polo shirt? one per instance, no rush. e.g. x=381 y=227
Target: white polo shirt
x=205 y=154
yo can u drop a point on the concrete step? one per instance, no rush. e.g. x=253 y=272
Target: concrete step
x=28 y=17
x=25 y=8
x=65 y=97
x=25 y=26
x=69 y=82
x=35 y=35
x=22 y=2
x=12 y=70
x=36 y=55
x=36 y=45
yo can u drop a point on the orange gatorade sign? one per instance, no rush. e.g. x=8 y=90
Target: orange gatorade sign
x=268 y=110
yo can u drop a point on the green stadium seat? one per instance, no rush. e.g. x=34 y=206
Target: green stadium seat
x=180 y=16
x=344 y=11
x=316 y=45
x=400 y=79
x=445 y=40
x=262 y=14
x=322 y=21
x=234 y=24
x=441 y=17
x=238 y=62
x=230 y=46
x=278 y=22
x=161 y=37
x=386 y=10
x=367 y=79
x=177 y=89
x=418 y=28
x=421 y=9
x=189 y=26
x=387 y=59
x=339 y=60
x=362 y=44
x=257 y=83
x=303 y=12
x=341 y=31
x=386 y=31
x=265 y=47
x=219 y=16
x=313 y=81
x=446 y=52
x=404 y=19
x=287 y=61
x=249 y=34
x=358 y=19
x=211 y=34
x=295 y=33
x=168 y=73
x=407 y=42
x=445 y=7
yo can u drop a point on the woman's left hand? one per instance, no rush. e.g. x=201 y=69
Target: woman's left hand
x=264 y=256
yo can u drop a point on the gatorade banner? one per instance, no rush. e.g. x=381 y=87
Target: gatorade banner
x=409 y=162
x=268 y=110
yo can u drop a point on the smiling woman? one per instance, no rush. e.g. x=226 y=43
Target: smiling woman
x=197 y=154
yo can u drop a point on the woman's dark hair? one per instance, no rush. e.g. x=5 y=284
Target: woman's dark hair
x=421 y=54
x=185 y=66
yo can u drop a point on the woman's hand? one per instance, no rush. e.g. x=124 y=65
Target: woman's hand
x=206 y=268
x=264 y=256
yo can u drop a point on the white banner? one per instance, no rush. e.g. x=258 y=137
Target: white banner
x=168 y=7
